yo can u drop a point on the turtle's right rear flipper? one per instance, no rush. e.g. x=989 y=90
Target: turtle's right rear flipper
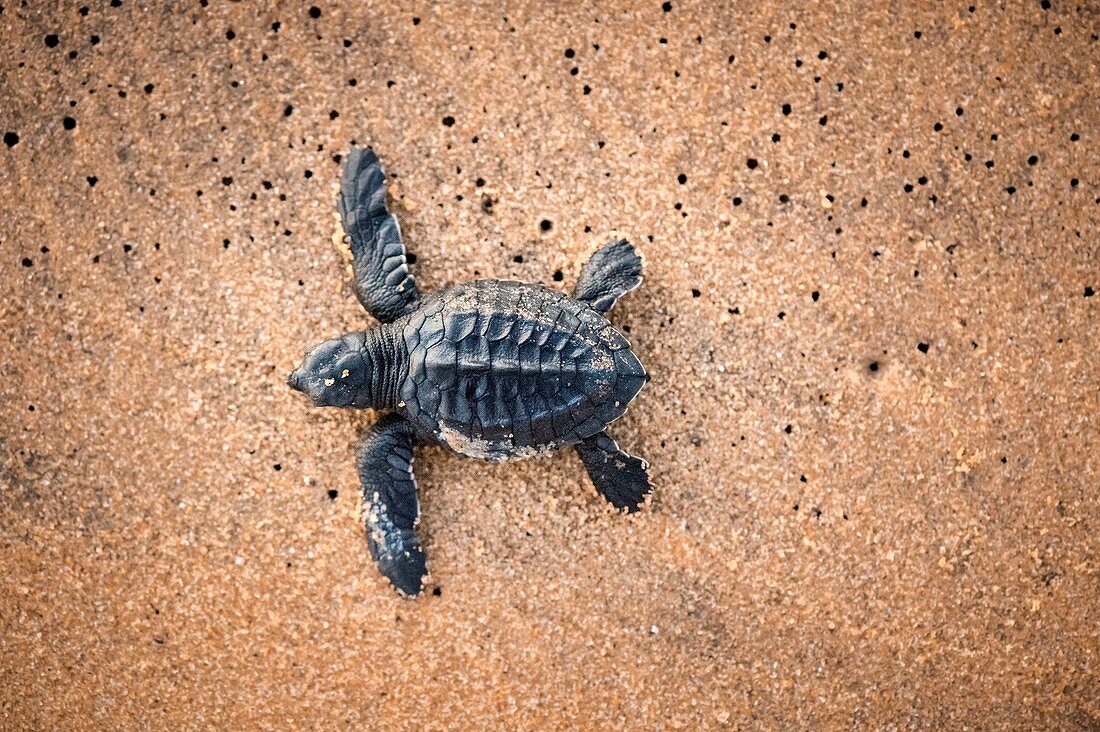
x=614 y=270
x=619 y=477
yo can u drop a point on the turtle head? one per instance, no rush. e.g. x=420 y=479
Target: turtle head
x=336 y=373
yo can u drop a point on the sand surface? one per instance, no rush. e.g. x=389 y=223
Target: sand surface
x=869 y=318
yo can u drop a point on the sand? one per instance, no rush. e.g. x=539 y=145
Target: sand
x=869 y=317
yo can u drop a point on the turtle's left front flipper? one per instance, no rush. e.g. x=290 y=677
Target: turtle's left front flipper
x=382 y=279
x=619 y=477
x=392 y=509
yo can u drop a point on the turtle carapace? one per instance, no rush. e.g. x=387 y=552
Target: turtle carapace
x=491 y=369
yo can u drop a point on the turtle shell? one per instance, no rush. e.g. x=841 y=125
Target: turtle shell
x=500 y=370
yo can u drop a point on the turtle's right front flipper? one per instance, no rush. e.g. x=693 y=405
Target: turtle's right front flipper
x=390 y=503
x=382 y=279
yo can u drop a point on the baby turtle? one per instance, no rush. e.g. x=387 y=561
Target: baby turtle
x=491 y=369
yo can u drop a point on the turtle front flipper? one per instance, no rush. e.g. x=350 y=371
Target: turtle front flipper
x=382 y=279
x=614 y=270
x=619 y=477
x=391 y=507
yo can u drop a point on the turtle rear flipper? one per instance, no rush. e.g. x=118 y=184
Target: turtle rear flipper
x=614 y=270
x=619 y=477
x=392 y=510
x=382 y=279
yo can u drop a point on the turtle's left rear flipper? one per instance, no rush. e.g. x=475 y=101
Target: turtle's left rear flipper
x=619 y=477
x=392 y=510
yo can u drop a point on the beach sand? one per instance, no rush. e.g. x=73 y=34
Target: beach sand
x=871 y=241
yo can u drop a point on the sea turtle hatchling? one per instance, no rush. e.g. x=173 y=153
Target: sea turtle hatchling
x=491 y=369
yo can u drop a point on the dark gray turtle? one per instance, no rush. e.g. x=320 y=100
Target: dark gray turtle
x=492 y=369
